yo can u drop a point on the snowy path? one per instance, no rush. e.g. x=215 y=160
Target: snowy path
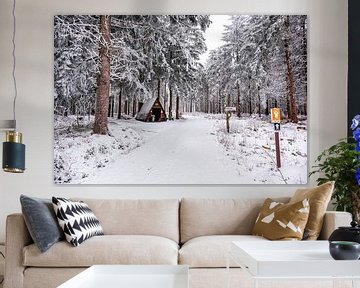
x=185 y=152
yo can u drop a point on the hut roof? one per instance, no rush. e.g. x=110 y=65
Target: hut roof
x=145 y=109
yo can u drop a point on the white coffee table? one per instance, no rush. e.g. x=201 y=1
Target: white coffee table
x=131 y=276
x=297 y=260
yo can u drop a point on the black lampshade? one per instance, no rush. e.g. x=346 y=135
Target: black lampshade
x=13 y=153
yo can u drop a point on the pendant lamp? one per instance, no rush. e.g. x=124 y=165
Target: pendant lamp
x=13 y=160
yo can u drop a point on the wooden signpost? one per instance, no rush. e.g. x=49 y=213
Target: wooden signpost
x=276 y=118
x=228 y=111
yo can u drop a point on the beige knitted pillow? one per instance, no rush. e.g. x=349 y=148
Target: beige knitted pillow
x=279 y=221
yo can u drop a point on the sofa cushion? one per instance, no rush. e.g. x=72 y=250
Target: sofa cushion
x=211 y=251
x=41 y=221
x=201 y=217
x=279 y=221
x=77 y=220
x=319 y=198
x=107 y=249
x=158 y=217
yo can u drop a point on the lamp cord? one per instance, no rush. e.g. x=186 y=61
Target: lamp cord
x=14 y=59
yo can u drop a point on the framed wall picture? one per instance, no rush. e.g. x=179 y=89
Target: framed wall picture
x=180 y=99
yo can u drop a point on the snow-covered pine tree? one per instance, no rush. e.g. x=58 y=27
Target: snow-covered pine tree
x=75 y=64
x=128 y=63
x=262 y=65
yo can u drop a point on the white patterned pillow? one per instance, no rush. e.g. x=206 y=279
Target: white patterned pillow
x=77 y=220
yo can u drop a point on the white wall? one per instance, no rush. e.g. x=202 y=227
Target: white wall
x=327 y=89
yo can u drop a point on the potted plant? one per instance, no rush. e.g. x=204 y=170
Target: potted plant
x=341 y=163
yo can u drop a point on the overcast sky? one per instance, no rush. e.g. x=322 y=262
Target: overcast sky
x=214 y=33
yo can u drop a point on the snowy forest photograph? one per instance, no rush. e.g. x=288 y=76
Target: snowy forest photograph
x=180 y=99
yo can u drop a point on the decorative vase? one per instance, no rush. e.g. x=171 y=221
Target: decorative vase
x=344 y=250
x=345 y=233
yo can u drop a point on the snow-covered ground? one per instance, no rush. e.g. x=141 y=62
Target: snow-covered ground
x=251 y=145
x=194 y=150
x=78 y=153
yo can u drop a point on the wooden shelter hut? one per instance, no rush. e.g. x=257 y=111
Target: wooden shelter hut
x=151 y=111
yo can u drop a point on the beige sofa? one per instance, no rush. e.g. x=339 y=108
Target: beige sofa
x=194 y=232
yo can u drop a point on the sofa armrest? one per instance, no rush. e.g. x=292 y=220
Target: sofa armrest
x=333 y=220
x=17 y=237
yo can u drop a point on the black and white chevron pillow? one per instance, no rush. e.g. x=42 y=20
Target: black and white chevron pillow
x=77 y=220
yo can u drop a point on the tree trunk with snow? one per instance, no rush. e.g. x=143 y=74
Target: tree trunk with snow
x=134 y=107
x=207 y=108
x=267 y=109
x=250 y=106
x=165 y=96
x=219 y=102
x=111 y=107
x=177 y=107
x=119 y=106
x=238 y=112
x=158 y=88
x=290 y=79
x=259 y=102
x=103 y=79
x=170 y=102
x=126 y=107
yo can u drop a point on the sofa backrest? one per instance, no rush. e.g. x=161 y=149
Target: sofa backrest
x=159 y=217
x=200 y=217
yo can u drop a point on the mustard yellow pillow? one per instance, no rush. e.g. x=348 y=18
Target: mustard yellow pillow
x=319 y=198
x=279 y=221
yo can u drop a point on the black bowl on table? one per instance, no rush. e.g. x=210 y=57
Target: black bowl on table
x=344 y=250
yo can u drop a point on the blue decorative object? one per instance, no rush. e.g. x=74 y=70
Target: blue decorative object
x=355 y=122
x=356 y=134
x=355 y=126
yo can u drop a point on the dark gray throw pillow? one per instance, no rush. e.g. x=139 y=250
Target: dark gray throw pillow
x=41 y=221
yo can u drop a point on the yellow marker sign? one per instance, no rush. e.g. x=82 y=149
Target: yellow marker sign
x=275 y=115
